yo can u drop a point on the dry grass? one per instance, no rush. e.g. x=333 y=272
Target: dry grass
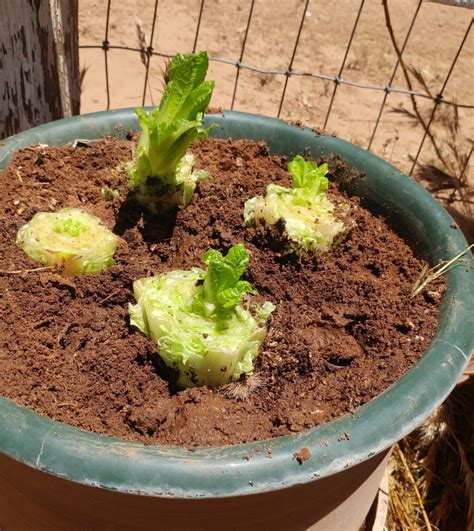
x=141 y=37
x=432 y=470
x=447 y=174
x=82 y=77
x=242 y=390
x=427 y=276
x=144 y=57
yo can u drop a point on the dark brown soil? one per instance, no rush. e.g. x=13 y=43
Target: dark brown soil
x=345 y=327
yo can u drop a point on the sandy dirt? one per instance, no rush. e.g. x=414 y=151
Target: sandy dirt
x=437 y=34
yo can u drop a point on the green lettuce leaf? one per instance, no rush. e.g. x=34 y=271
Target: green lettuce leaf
x=222 y=284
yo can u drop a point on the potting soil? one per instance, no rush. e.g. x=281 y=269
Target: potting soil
x=344 y=329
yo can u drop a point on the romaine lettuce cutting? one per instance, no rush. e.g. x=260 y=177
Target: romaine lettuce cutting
x=198 y=320
x=312 y=223
x=162 y=172
x=69 y=239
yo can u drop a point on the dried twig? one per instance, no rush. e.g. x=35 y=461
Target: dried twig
x=448 y=474
x=432 y=274
x=109 y=296
x=21 y=271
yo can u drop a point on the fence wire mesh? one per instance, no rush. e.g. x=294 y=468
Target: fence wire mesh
x=146 y=51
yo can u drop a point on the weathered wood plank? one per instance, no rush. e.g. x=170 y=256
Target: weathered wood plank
x=39 y=62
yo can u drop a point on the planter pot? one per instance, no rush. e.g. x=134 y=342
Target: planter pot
x=54 y=476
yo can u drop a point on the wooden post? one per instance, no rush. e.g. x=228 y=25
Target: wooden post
x=39 y=63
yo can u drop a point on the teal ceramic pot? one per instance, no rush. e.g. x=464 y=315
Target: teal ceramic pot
x=54 y=476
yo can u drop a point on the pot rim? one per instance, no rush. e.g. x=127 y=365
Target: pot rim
x=173 y=471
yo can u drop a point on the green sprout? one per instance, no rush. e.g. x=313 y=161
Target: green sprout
x=198 y=320
x=162 y=172
x=312 y=223
x=109 y=194
x=69 y=239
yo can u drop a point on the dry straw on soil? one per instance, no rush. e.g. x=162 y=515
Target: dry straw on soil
x=431 y=471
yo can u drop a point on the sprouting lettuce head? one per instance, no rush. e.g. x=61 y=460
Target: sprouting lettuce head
x=198 y=321
x=310 y=221
x=69 y=239
x=162 y=171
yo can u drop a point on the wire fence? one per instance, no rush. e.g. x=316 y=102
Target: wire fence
x=438 y=99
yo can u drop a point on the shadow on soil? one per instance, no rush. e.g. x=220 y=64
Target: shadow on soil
x=153 y=227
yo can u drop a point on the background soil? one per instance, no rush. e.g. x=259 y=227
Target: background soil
x=345 y=327
x=436 y=36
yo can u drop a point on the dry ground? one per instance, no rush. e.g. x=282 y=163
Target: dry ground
x=437 y=34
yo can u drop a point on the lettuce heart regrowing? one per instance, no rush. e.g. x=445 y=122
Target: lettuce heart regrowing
x=69 y=239
x=309 y=220
x=161 y=174
x=199 y=321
